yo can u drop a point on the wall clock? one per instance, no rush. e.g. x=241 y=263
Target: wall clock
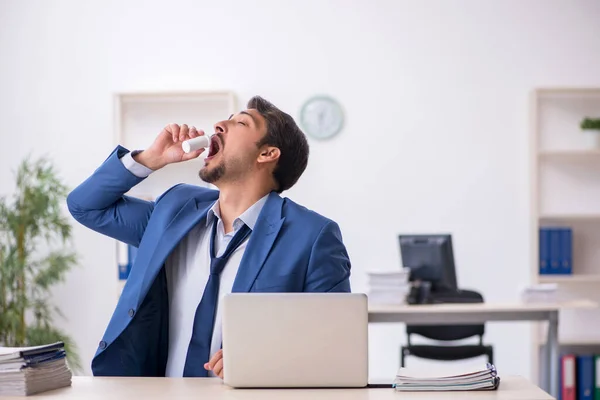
x=321 y=117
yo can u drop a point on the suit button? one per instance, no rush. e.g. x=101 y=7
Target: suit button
x=131 y=312
x=103 y=345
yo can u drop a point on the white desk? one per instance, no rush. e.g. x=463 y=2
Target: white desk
x=89 y=388
x=448 y=314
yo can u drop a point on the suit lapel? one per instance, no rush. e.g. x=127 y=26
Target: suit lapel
x=190 y=214
x=261 y=241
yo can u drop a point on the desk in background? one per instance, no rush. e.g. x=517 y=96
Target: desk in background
x=449 y=314
x=89 y=388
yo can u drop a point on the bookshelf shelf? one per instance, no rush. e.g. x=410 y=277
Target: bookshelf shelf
x=580 y=342
x=567 y=91
x=593 y=279
x=569 y=217
x=575 y=342
x=570 y=154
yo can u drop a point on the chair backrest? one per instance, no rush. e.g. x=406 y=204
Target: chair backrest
x=450 y=332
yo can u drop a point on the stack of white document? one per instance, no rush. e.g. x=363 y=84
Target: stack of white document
x=449 y=379
x=30 y=370
x=389 y=287
x=541 y=293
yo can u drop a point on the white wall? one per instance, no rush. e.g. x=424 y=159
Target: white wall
x=436 y=96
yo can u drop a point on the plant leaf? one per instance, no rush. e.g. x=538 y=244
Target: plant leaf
x=53 y=268
x=27 y=271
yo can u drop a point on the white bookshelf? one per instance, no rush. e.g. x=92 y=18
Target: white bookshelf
x=140 y=117
x=565 y=191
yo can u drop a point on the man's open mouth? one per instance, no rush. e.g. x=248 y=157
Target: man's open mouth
x=215 y=146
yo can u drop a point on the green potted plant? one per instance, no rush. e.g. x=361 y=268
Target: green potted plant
x=592 y=126
x=34 y=233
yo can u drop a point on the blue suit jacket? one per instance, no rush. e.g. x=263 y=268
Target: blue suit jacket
x=291 y=249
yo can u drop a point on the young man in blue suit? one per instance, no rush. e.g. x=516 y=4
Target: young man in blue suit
x=195 y=244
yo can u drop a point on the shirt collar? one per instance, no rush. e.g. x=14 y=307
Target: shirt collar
x=248 y=217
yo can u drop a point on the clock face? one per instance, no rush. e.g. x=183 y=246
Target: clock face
x=321 y=117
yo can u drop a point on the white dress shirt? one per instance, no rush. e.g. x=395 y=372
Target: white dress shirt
x=188 y=269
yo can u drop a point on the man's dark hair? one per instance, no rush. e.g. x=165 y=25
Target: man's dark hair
x=283 y=133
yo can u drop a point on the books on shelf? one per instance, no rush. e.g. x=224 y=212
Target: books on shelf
x=30 y=370
x=452 y=378
x=579 y=377
x=389 y=287
x=556 y=250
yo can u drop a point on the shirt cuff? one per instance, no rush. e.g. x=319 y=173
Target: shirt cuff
x=135 y=167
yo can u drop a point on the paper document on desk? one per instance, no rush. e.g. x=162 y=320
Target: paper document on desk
x=388 y=287
x=447 y=379
x=29 y=370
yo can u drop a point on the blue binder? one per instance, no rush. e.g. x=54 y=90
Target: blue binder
x=566 y=251
x=555 y=251
x=126 y=257
x=544 y=254
x=585 y=377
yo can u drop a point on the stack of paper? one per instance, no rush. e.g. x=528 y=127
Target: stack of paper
x=452 y=379
x=29 y=370
x=541 y=293
x=389 y=287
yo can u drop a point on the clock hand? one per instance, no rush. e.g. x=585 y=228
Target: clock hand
x=321 y=118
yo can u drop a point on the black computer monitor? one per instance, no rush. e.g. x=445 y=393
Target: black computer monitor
x=430 y=258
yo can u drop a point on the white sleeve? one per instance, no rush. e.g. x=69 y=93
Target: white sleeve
x=135 y=167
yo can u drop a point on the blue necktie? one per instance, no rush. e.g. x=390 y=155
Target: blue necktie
x=204 y=321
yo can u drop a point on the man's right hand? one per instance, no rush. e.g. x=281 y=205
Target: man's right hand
x=166 y=148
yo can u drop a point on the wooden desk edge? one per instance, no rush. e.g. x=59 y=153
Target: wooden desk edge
x=126 y=387
x=487 y=307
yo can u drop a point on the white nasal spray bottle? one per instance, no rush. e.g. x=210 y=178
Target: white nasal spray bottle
x=196 y=143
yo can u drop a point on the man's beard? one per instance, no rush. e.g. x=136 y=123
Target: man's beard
x=211 y=176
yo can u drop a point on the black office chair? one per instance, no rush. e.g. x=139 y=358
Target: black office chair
x=448 y=333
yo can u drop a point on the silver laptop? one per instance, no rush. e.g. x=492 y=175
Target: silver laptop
x=295 y=340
